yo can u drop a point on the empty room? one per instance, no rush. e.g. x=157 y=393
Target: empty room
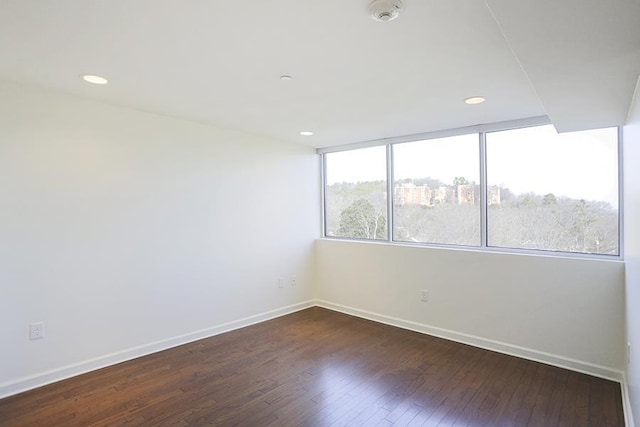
x=320 y=213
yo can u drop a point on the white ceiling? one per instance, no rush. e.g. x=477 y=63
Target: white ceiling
x=354 y=79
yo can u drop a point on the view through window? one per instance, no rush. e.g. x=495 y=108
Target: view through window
x=355 y=194
x=437 y=191
x=558 y=192
x=542 y=191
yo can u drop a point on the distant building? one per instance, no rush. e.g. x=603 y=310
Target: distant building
x=442 y=194
x=410 y=194
x=465 y=194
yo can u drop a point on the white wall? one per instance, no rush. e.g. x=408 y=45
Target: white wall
x=127 y=232
x=631 y=138
x=564 y=311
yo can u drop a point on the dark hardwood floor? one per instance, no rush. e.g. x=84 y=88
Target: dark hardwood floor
x=322 y=368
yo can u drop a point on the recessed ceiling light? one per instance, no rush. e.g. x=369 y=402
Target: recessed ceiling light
x=286 y=77
x=306 y=133
x=474 y=100
x=96 y=80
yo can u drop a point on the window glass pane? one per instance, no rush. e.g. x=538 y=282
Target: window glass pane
x=557 y=192
x=436 y=191
x=356 y=193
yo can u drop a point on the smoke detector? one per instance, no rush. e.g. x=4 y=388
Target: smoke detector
x=385 y=10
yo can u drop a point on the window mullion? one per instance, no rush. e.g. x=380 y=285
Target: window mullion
x=390 y=195
x=483 y=189
x=620 y=194
x=323 y=193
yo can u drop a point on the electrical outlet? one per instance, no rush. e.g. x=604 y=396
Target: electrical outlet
x=281 y=282
x=36 y=331
x=294 y=281
x=424 y=295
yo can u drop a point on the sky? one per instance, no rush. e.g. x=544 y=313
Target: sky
x=580 y=165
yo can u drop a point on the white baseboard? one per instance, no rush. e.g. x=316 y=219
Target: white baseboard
x=626 y=403
x=487 y=344
x=54 y=375
x=43 y=378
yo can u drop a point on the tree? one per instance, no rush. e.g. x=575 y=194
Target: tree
x=583 y=220
x=527 y=221
x=460 y=180
x=549 y=199
x=360 y=220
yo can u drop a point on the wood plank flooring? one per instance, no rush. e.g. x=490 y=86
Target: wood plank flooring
x=322 y=368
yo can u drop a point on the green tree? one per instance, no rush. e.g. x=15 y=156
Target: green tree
x=583 y=225
x=360 y=220
x=460 y=180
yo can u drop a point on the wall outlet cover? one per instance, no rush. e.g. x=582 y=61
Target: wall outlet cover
x=36 y=331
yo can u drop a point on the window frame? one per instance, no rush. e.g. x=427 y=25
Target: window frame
x=481 y=131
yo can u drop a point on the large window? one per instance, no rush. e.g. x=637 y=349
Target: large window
x=527 y=188
x=356 y=194
x=437 y=191
x=558 y=192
